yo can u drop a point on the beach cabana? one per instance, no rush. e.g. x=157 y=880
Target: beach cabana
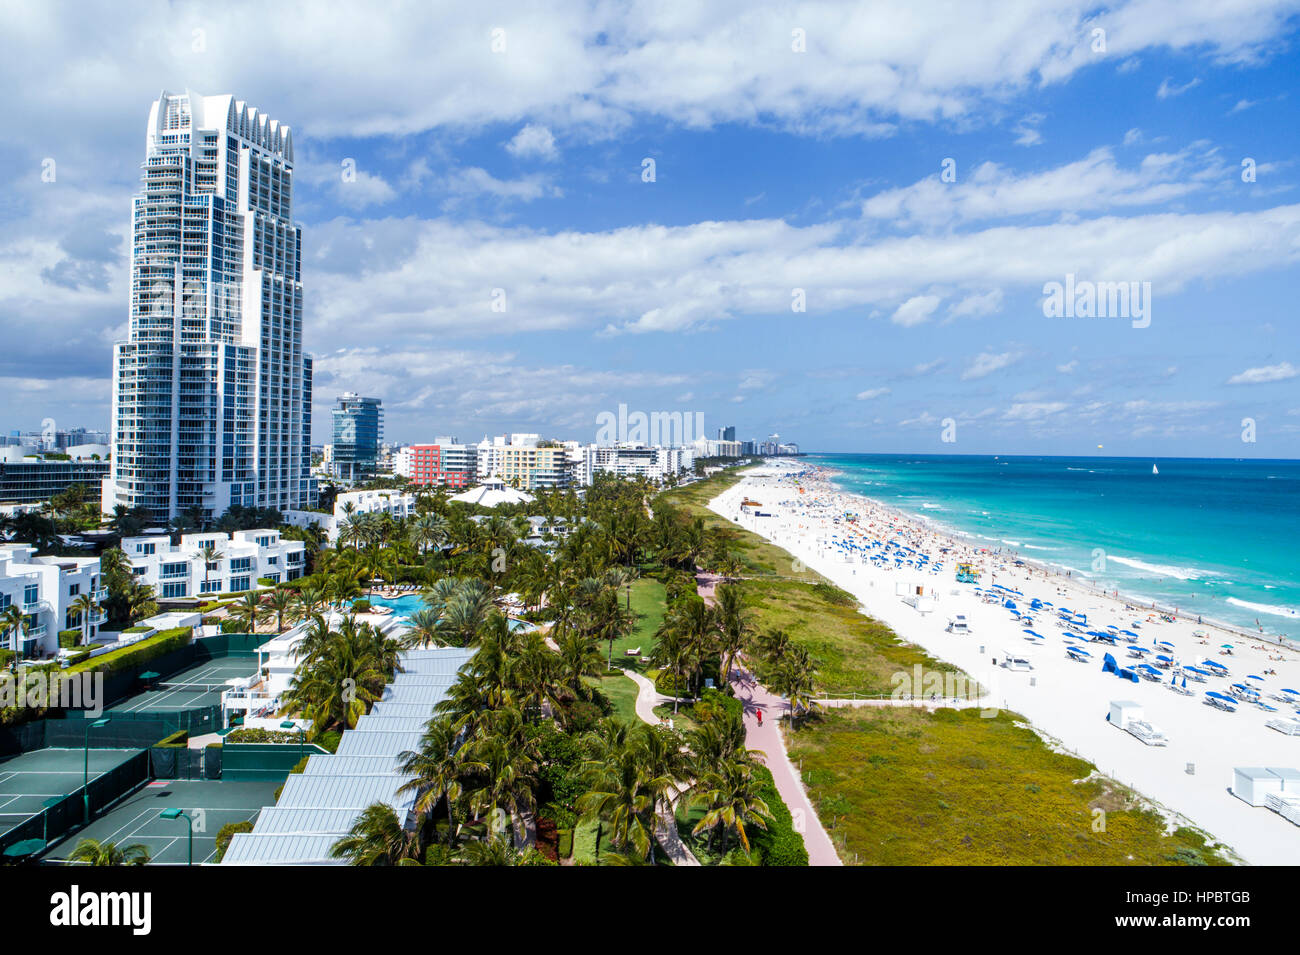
x=1252 y=783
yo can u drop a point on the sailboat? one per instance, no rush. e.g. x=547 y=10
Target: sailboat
x=1154 y=469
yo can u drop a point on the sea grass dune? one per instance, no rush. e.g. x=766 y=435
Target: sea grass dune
x=1056 y=678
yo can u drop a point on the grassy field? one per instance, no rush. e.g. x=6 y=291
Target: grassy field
x=758 y=557
x=903 y=787
x=906 y=787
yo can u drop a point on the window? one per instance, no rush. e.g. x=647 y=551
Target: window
x=238 y=584
x=31 y=594
x=176 y=589
x=145 y=548
x=74 y=589
x=241 y=565
x=272 y=560
x=209 y=586
x=181 y=569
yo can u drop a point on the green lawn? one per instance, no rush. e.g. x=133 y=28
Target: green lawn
x=907 y=787
x=622 y=694
x=854 y=653
x=649 y=601
x=758 y=557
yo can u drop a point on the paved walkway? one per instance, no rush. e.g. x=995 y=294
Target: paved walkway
x=767 y=740
x=647 y=698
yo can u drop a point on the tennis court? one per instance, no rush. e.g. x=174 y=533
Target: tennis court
x=28 y=780
x=210 y=804
x=196 y=687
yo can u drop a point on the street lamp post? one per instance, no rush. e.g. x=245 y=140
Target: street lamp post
x=85 y=782
x=181 y=814
x=302 y=736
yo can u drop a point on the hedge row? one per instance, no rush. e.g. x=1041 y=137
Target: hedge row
x=779 y=844
x=165 y=641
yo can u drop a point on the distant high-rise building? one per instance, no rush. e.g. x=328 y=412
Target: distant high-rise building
x=358 y=428
x=212 y=391
x=727 y=434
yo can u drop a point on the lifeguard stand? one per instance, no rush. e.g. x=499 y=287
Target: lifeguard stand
x=966 y=574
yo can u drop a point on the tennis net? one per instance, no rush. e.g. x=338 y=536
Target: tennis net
x=189 y=687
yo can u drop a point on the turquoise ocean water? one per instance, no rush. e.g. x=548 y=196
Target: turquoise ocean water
x=1214 y=537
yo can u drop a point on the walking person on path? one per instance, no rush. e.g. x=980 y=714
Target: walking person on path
x=760 y=717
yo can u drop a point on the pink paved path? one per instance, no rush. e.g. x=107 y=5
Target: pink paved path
x=767 y=740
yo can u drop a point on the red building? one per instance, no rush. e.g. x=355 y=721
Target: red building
x=433 y=465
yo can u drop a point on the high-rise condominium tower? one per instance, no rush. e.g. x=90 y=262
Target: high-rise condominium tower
x=212 y=391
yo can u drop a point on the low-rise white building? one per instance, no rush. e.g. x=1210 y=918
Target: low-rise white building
x=351 y=504
x=45 y=589
x=180 y=570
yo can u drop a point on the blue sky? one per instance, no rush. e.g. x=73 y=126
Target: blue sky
x=775 y=170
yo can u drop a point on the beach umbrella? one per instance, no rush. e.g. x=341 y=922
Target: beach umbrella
x=1225 y=646
x=1038 y=635
x=1251 y=676
x=1289 y=690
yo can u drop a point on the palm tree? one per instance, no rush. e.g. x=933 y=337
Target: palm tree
x=504 y=759
x=422 y=629
x=622 y=793
x=796 y=680
x=280 y=603
x=309 y=601
x=730 y=793
x=140 y=601
x=436 y=766
x=735 y=624
x=248 y=611
x=340 y=673
x=94 y=852
x=578 y=658
x=210 y=554
x=85 y=607
x=13 y=622
x=376 y=838
x=429 y=530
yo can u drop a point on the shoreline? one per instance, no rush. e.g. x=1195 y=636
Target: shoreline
x=1282 y=641
x=1059 y=698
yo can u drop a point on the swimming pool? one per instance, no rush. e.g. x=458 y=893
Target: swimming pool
x=407 y=604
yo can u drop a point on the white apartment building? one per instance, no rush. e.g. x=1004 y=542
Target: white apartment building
x=45 y=588
x=351 y=504
x=211 y=390
x=179 y=570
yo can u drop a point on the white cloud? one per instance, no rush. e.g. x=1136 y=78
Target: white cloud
x=1168 y=88
x=1068 y=367
x=1033 y=410
x=1265 y=374
x=986 y=363
x=533 y=141
x=915 y=310
x=978 y=303
x=872 y=393
x=1087 y=186
x=1026 y=130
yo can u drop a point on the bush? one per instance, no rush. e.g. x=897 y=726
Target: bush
x=564 y=846
x=179 y=740
x=361 y=606
x=69 y=638
x=778 y=844
x=670 y=684
x=243 y=735
x=832 y=594
x=233 y=626
x=227 y=832
x=210 y=606
x=138 y=629
x=438 y=854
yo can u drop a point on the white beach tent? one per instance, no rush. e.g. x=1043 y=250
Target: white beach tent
x=1252 y=783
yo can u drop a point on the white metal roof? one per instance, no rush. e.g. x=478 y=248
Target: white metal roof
x=321 y=765
x=414 y=693
x=247 y=848
x=377 y=744
x=277 y=819
x=341 y=792
x=390 y=724
x=388 y=709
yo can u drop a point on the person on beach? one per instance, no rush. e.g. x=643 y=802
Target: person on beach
x=760 y=717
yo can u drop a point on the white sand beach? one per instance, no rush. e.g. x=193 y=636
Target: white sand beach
x=1063 y=698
